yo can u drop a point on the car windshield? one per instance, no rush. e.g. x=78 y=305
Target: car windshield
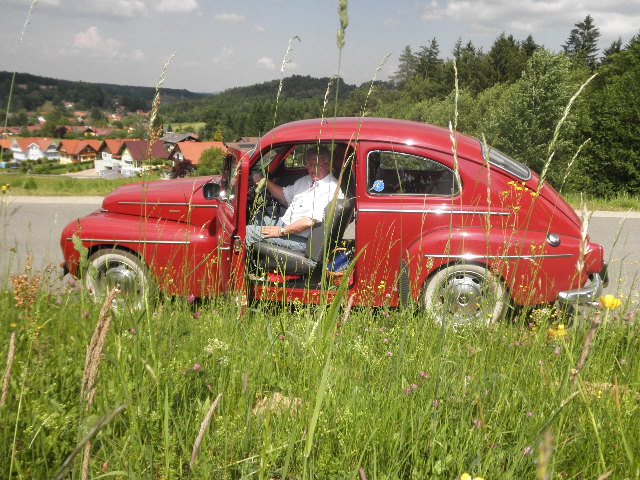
x=506 y=163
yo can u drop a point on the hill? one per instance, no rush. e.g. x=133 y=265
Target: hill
x=250 y=110
x=33 y=92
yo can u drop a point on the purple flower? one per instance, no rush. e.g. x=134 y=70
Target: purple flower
x=414 y=386
x=197 y=367
x=557 y=351
x=528 y=451
x=85 y=315
x=196 y=315
x=281 y=337
x=386 y=340
x=133 y=331
x=477 y=423
x=191 y=298
x=529 y=414
x=424 y=375
x=389 y=354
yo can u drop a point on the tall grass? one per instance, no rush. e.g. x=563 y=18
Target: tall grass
x=63 y=186
x=362 y=394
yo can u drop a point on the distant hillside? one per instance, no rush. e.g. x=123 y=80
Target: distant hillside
x=249 y=111
x=32 y=92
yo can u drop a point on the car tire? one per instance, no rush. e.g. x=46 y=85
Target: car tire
x=115 y=268
x=465 y=294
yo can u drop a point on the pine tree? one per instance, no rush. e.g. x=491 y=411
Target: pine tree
x=582 y=43
x=406 y=67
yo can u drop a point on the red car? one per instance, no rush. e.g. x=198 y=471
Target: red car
x=454 y=226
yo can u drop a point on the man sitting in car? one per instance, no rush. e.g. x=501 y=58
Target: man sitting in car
x=305 y=200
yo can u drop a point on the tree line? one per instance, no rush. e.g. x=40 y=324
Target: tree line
x=513 y=95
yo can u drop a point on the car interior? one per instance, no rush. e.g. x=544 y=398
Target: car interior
x=271 y=263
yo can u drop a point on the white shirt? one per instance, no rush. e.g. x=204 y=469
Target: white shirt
x=307 y=199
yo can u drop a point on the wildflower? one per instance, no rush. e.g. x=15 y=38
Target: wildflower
x=191 y=298
x=424 y=375
x=281 y=337
x=622 y=362
x=477 y=423
x=466 y=476
x=385 y=340
x=14 y=325
x=557 y=351
x=133 y=331
x=197 y=367
x=560 y=332
x=435 y=403
x=85 y=315
x=389 y=354
x=529 y=414
x=414 y=387
x=196 y=315
x=528 y=451
x=610 y=302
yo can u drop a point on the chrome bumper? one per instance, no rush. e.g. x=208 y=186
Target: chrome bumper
x=588 y=295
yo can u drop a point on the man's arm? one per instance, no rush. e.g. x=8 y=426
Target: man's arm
x=295 y=228
x=276 y=190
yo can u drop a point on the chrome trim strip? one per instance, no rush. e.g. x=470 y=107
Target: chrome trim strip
x=225 y=249
x=471 y=256
x=433 y=212
x=112 y=240
x=169 y=204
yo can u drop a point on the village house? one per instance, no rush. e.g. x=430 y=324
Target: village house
x=76 y=151
x=171 y=139
x=192 y=151
x=35 y=148
x=137 y=152
x=109 y=158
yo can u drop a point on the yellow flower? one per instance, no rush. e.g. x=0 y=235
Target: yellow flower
x=560 y=332
x=610 y=302
x=466 y=476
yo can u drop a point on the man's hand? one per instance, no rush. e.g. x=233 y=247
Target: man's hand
x=270 y=232
x=257 y=178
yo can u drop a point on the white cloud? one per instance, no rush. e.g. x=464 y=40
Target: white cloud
x=91 y=43
x=229 y=17
x=120 y=8
x=392 y=22
x=266 y=63
x=261 y=29
x=177 y=6
x=619 y=17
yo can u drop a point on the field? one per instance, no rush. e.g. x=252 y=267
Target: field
x=54 y=185
x=192 y=127
x=312 y=392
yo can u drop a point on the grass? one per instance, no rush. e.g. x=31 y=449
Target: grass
x=63 y=186
x=401 y=397
x=188 y=127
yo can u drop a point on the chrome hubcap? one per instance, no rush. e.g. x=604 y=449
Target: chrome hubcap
x=464 y=295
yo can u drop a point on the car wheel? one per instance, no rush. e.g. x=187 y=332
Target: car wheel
x=464 y=294
x=122 y=270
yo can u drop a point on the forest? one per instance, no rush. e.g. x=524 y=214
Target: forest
x=512 y=96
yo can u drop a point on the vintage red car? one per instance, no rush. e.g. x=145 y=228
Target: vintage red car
x=430 y=217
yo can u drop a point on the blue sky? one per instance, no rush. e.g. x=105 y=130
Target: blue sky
x=220 y=44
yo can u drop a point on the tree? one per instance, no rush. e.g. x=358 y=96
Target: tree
x=211 y=162
x=582 y=43
x=505 y=61
x=407 y=67
x=182 y=169
x=615 y=47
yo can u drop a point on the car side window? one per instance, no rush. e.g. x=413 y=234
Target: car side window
x=392 y=173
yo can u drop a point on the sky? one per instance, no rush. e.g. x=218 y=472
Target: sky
x=220 y=44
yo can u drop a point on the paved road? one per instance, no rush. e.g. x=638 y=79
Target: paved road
x=33 y=225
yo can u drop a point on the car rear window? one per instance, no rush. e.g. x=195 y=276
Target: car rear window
x=506 y=163
x=392 y=173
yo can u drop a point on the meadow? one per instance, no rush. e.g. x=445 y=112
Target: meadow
x=293 y=391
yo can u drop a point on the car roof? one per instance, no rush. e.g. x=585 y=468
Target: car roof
x=403 y=132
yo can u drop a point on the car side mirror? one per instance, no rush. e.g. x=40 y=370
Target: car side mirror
x=211 y=191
